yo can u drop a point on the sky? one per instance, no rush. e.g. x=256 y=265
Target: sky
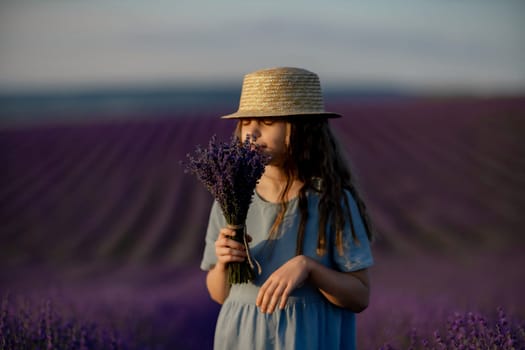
x=475 y=46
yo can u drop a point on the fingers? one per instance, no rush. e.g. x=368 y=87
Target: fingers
x=227 y=249
x=226 y=240
x=230 y=233
x=284 y=297
x=226 y=232
x=272 y=294
x=281 y=283
x=226 y=255
x=261 y=294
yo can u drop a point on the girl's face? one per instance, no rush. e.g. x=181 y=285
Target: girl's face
x=272 y=135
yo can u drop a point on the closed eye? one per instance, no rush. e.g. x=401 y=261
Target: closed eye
x=246 y=122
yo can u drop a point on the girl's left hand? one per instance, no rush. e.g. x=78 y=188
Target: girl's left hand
x=281 y=283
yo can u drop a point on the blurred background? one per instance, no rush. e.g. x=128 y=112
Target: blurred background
x=101 y=100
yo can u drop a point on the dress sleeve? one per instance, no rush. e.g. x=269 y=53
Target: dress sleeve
x=357 y=254
x=215 y=223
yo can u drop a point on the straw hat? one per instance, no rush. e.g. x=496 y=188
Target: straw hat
x=279 y=92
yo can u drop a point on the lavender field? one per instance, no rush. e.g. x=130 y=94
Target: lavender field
x=101 y=231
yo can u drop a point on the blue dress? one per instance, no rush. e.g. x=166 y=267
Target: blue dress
x=309 y=320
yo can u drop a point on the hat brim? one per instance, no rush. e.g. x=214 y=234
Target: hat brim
x=248 y=114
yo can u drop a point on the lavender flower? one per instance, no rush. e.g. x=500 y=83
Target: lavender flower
x=230 y=172
x=472 y=330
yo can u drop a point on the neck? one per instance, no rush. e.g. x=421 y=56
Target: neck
x=272 y=184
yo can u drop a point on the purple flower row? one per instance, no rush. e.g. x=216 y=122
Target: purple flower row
x=48 y=323
x=468 y=331
x=26 y=324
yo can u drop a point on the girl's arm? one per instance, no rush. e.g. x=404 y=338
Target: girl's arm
x=227 y=250
x=345 y=289
x=217 y=283
x=349 y=290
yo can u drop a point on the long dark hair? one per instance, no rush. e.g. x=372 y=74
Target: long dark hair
x=314 y=157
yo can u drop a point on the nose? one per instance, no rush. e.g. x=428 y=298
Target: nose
x=253 y=129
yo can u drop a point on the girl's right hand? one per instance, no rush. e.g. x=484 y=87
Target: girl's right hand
x=227 y=249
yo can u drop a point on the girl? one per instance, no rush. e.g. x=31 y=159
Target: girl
x=309 y=228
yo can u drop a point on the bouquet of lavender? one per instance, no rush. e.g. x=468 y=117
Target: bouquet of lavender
x=230 y=172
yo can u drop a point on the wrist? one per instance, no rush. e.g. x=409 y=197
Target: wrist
x=220 y=266
x=308 y=264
